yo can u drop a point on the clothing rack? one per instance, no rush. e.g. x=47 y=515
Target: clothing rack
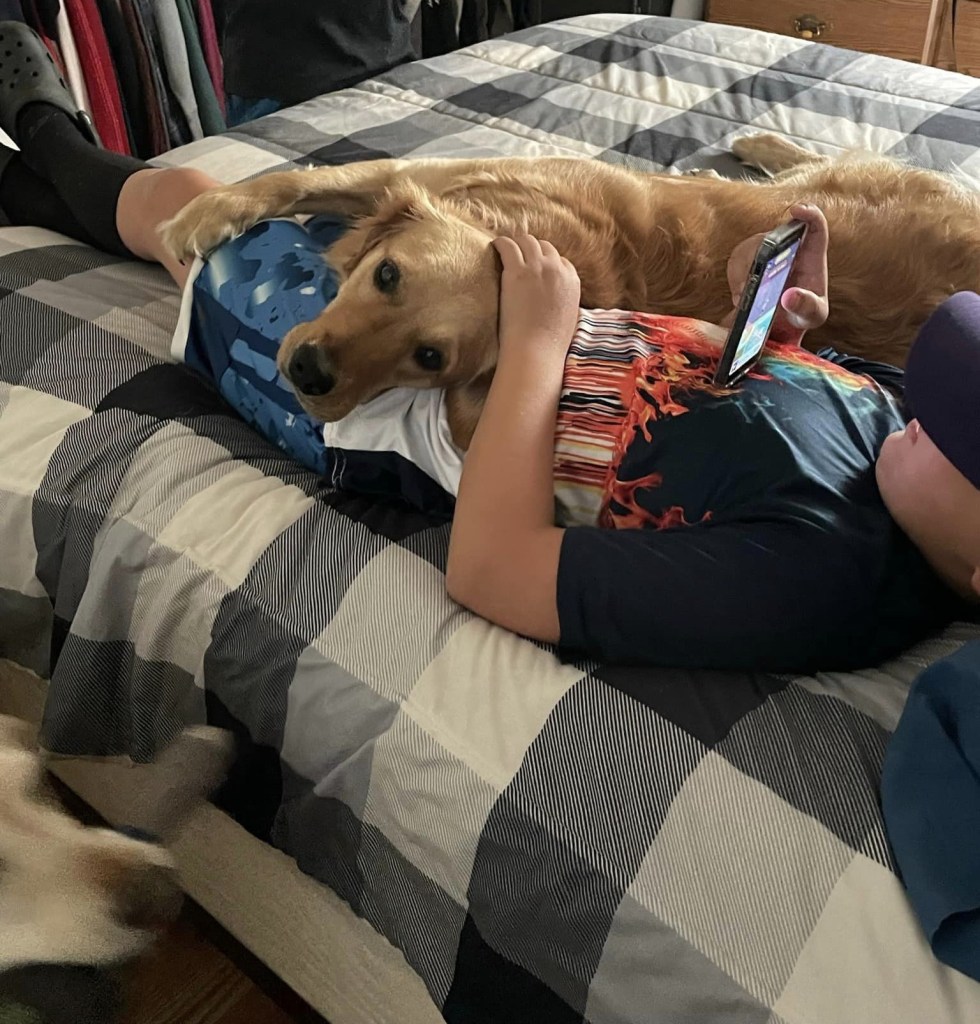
x=148 y=72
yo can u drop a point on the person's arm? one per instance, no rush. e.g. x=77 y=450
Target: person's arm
x=504 y=549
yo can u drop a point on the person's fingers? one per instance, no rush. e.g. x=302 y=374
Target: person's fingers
x=804 y=310
x=810 y=269
x=810 y=214
x=510 y=252
x=530 y=247
x=548 y=250
x=740 y=263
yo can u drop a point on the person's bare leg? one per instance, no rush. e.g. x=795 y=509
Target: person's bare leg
x=147 y=199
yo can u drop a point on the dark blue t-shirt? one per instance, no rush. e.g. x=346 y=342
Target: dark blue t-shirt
x=765 y=544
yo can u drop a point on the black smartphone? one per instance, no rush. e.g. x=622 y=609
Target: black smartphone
x=760 y=301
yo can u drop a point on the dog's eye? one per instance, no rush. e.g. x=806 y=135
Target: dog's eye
x=386 y=276
x=428 y=358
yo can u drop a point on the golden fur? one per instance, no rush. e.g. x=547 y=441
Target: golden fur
x=901 y=240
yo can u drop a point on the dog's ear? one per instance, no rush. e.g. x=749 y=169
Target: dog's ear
x=151 y=897
x=402 y=204
x=463 y=407
x=141 y=884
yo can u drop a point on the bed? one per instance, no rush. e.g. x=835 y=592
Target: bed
x=431 y=817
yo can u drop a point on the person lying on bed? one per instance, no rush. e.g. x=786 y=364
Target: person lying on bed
x=751 y=527
x=700 y=527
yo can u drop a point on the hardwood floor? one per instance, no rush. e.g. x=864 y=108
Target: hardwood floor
x=187 y=979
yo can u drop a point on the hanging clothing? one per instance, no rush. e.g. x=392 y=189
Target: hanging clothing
x=123 y=56
x=46 y=12
x=440 y=32
x=220 y=13
x=40 y=16
x=212 y=50
x=241 y=110
x=526 y=13
x=100 y=78
x=474 y=21
x=11 y=10
x=173 y=117
x=177 y=64
x=293 y=50
x=73 y=66
x=212 y=120
x=450 y=24
x=159 y=143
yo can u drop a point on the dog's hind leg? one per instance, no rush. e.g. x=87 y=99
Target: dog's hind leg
x=773 y=154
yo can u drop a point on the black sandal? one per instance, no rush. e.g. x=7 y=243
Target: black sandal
x=28 y=75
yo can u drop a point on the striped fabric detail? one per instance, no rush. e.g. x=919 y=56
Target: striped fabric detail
x=620 y=373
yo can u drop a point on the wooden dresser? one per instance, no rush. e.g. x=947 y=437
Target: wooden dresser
x=941 y=32
x=966 y=55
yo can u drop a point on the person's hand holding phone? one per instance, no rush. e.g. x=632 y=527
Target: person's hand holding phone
x=804 y=305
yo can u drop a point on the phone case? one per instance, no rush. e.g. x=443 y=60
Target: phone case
x=775 y=241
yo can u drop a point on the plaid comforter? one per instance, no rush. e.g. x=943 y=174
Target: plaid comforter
x=546 y=842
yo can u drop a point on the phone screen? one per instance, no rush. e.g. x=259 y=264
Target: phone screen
x=771 y=287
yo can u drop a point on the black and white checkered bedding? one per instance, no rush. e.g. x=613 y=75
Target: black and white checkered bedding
x=545 y=842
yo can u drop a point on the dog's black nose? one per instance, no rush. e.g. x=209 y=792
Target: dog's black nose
x=308 y=373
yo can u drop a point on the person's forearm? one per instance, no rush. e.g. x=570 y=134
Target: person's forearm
x=504 y=550
x=507 y=474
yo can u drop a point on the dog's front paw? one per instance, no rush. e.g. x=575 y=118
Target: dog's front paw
x=205 y=222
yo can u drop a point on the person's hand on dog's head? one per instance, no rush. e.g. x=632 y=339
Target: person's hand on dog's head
x=539 y=295
x=804 y=305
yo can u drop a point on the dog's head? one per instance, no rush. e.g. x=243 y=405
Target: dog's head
x=68 y=893
x=90 y=896
x=417 y=307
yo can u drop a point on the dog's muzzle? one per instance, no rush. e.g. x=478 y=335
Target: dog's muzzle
x=310 y=371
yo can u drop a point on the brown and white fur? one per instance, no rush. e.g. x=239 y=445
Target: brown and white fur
x=74 y=895
x=902 y=240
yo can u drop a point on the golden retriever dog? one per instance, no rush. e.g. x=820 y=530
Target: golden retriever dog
x=417 y=304
x=76 y=902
